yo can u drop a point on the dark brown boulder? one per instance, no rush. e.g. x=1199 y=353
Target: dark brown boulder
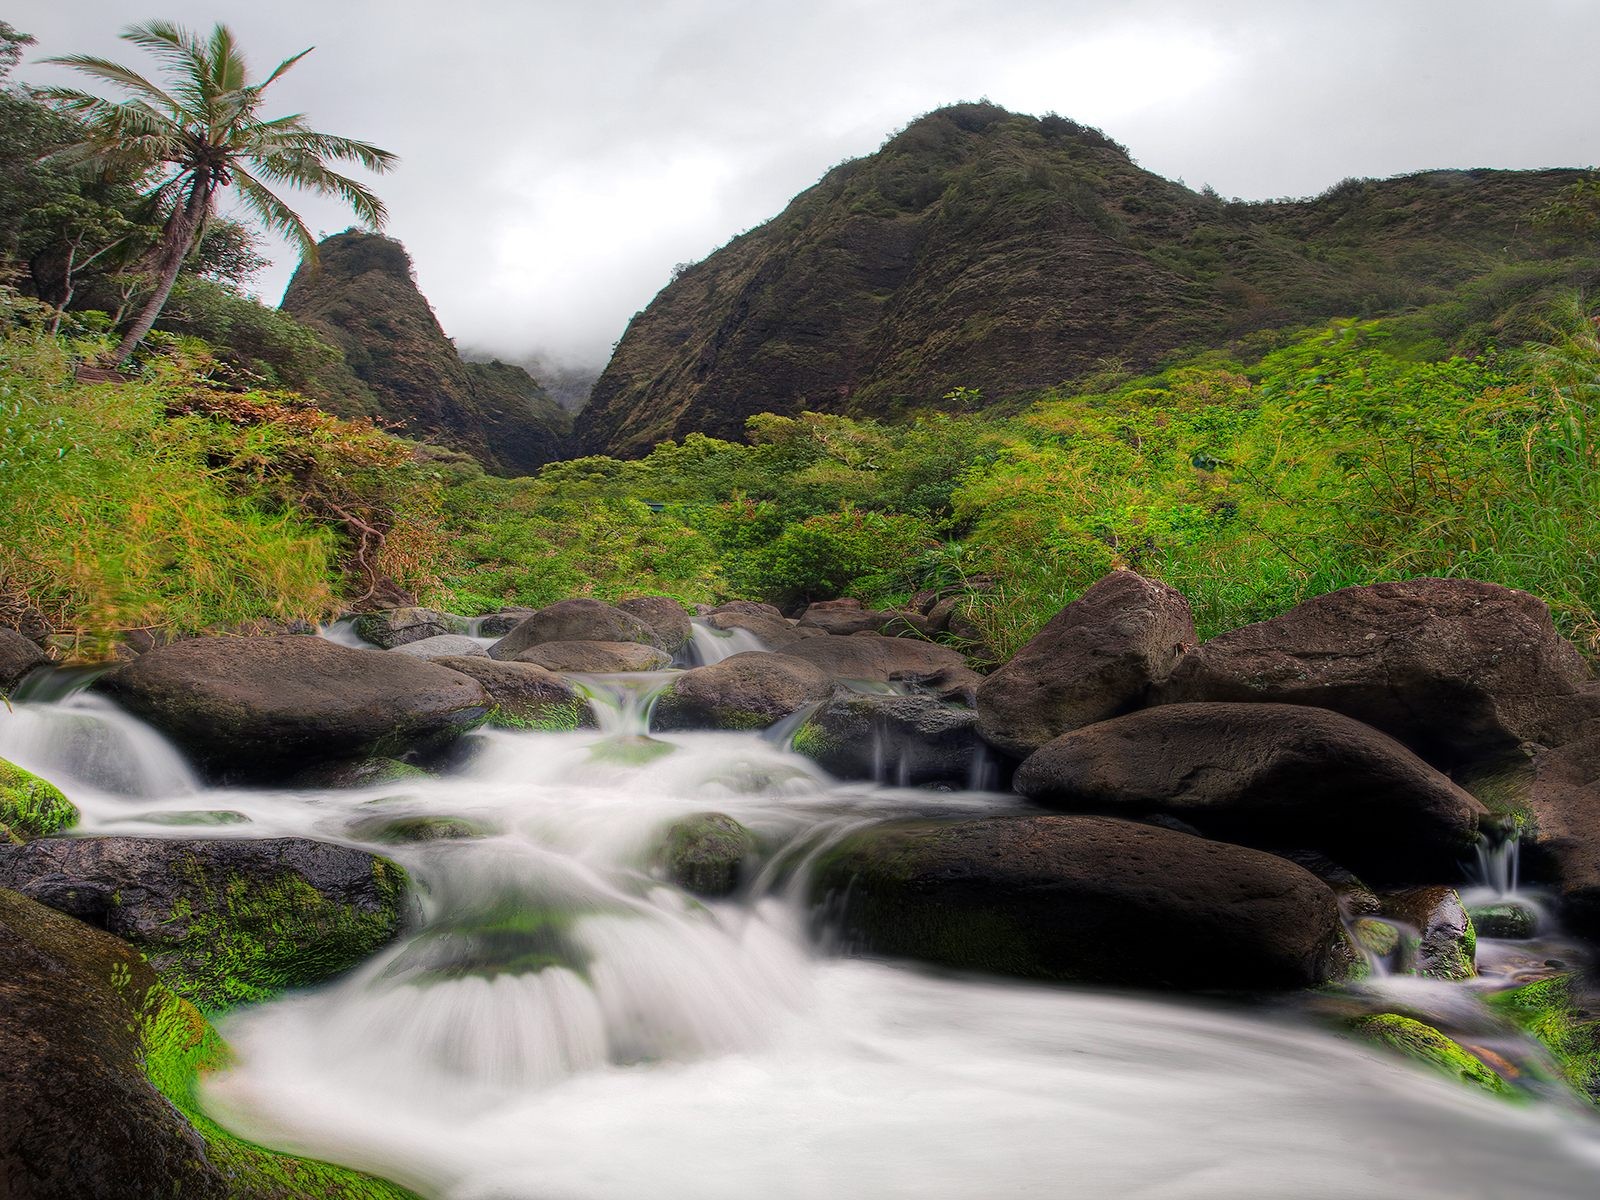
x=845 y=617
x=906 y=740
x=1455 y=669
x=1559 y=789
x=594 y=658
x=665 y=617
x=775 y=632
x=399 y=626
x=1440 y=941
x=498 y=624
x=1274 y=775
x=926 y=666
x=18 y=656
x=744 y=691
x=1100 y=656
x=222 y=920
x=580 y=620
x=526 y=696
x=1090 y=899
x=260 y=708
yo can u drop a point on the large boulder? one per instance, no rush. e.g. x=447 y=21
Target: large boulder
x=774 y=632
x=843 y=618
x=99 y=1066
x=579 y=620
x=1090 y=899
x=666 y=618
x=397 y=626
x=526 y=696
x=1274 y=775
x=1457 y=670
x=1555 y=797
x=18 y=656
x=498 y=624
x=595 y=658
x=223 y=920
x=909 y=740
x=870 y=658
x=751 y=690
x=1100 y=656
x=445 y=645
x=30 y=807
x=259 y=708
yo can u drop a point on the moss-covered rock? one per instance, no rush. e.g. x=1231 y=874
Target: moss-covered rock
x=362 y=773
x=1564 y=1015
x=526 y=696
x=630 y=750
x=1444 y=944
x=1425 y=1044
x=1378 y=938
x=509 y=939
x=1507 y=919
x=706 y=853
x=393 y=627
x=30 y=807
x=910 y=740
x=99 y=1064
x=402 y=830
x=223 y=921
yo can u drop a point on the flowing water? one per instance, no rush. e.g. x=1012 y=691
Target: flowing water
x=559 y=1023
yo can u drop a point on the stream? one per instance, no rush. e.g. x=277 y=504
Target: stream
x=560 y=1024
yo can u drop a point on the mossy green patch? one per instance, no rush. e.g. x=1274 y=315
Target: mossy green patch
x=632 y=751
x=1426 y=1044
x=1559 y=1015
x=506 y=941
x=557 y=716
x=399 y=830
x=30 y=807
x=1376 y=937
x=706 y=853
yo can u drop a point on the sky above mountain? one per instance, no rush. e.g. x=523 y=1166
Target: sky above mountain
x=560 y=156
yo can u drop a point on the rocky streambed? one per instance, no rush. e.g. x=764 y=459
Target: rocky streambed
x=609 y=900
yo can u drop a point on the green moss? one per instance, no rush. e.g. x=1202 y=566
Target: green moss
x=1556 y=1013
x=706 y=853
x=506 y=941
x=251 y=938
x=29 y=806
x=557 y=716
x=398 y=830
x=634 y=751
x=1376 y=937
x=812 y=741
x=1505 y=920
x=1426 y=1044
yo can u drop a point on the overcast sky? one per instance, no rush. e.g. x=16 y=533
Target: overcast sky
x=559 y=156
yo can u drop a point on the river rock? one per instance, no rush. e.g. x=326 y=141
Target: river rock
x=1557 y=793
x=498 y=624
x=260 y=708
x=98 y=1070
x=845 y=617
x=707 y=853
x=665 y=617
x=397 y=626
x=1504 y=919
x=360 y=773
x=925 y=666
x=753 y=608
x=1100 y=656
x=445 y=645
x=527 y=696
x=1445 y=944
x=1274 y=775
x=579 y=620
x=1089 y=899
x=1422 y=1043
x=909 y=740
x=774 y=632
x=226 y=920
x=18 y=656
x=595 y=658
x=751 y=690
x=1455 y=669
x=30 y=807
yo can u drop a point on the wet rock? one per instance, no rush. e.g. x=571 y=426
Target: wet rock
x=580 y=620
x=752 y=608
x=498 y=624
x=223 y=921
x=30 y=807
x=1564 y=1015
x=775 y=633
x=1378 y=938
x=398 y=626
x=1425 y=1044
x=665 y=617
x=259 y=708
x=630 y=750
x=707 y=854
x=1092 y=899
x=1506 y=919
x=1455 y=669
x=1273 y=775
x=1555 y=797
x=595 y=658
x=527 y=696
x=843 y=618
x=751 y=690
x=446 y=645
x=404 y=830
x=1100 y=656
x=362 y=773
x=910 y=740
x=1356 y=899
x=1445 y=945
x=99 y=1064
x=18 y=656
x=924 y=666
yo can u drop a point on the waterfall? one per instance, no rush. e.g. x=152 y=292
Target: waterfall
x=708 y=645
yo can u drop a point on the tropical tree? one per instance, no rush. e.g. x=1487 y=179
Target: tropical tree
x=199 y=135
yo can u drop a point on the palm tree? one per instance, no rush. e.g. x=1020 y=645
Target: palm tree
x=200 y=136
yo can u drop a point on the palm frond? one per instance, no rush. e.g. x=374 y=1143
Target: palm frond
x=309 y=173
x=282 y=67
x=273 y=213
x=124 y=77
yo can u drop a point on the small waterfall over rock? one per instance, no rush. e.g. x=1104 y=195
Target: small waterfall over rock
x=709 y=645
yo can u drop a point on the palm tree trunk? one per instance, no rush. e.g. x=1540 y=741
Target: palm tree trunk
x=177 y=239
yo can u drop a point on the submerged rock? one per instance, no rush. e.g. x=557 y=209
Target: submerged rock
x=259 y=708
x=751 y=690
x=1091 y=899
x=1507 y=919
x=31 y=807
x=400 y=626
x=18 y=656
x=223 y=921
x=526 y=696
x=99 y=1065
x=1455 y=669
x=1445 y=945
x=665 y=617
x=1100 y=656
x=1273 y=775
x=900 y=739
x=363 y=773
x=580 y=620
x=595 y=658
x=1425 y=1044
x=707 y=853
